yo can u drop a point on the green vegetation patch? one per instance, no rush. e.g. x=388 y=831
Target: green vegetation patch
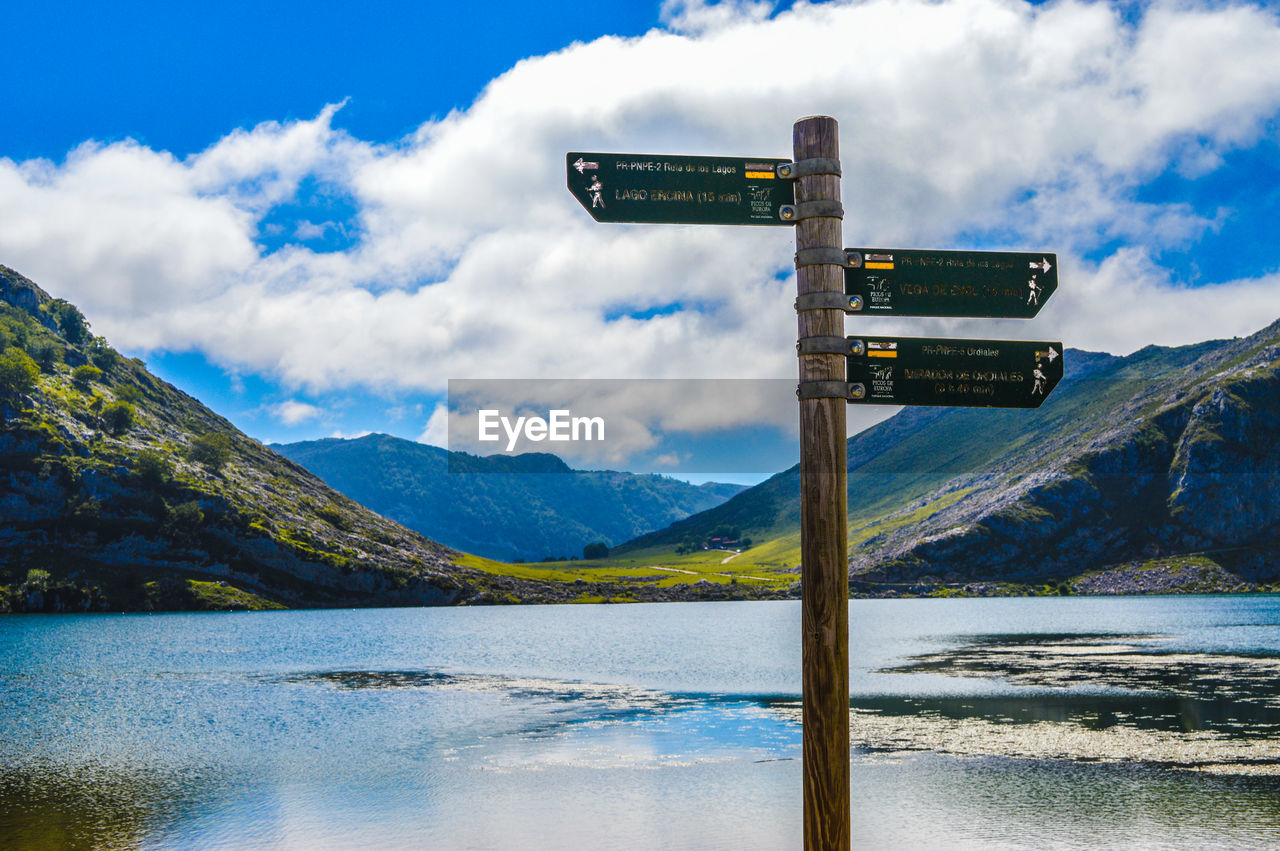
x=667 y=572
x=218 y=596
x=906 y=518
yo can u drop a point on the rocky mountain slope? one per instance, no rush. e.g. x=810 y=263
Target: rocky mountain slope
x=1168 y=452
x=1153 y=461
x=525 y=507
x=119 y=491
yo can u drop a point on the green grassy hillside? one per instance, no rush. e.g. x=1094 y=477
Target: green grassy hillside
x=1167 y=453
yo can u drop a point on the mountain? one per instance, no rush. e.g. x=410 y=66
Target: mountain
x=504 y=507
x=119 y=491
x=1154 y=471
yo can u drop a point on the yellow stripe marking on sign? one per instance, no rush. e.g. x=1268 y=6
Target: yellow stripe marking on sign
x=878 y=265
x=761 y=175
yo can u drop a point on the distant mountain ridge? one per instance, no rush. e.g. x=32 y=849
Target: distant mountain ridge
x=525 y=507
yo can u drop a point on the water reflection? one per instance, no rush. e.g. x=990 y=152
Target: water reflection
x=434 y=729
x=56 y=805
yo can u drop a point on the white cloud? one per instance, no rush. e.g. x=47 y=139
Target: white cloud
x=344 y=435
x=698 y=17
x=437 y=431
x=471 y=260
x=292 y=412
x=308 y=230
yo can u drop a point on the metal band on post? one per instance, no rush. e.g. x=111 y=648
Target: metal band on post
x=824 y=208
x=829 y=301
x=813 y=165
x=824 y=346
x=818 y=256
x=822 y=390
x=848 y=390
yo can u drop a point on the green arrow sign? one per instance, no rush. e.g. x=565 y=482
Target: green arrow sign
x=679 y=190
x=963 y=373
x=1000 y=284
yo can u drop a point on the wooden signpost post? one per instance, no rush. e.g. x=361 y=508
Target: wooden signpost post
x=824 y=489
x=836 y=370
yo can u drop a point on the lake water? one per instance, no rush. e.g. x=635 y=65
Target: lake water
x=1043 y=722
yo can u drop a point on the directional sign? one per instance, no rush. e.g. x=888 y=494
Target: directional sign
x=1001 y=284
x=679 y=190
x=965 y=373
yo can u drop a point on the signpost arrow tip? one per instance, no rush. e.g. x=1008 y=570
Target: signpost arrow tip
x=1051 y=354
x=914 y=282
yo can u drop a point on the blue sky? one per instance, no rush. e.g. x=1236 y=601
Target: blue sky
x=312 y=218
x=178 y=77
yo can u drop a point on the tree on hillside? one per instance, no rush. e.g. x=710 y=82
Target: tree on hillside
x=596 y=550
x=47 y=356
x=18 y=330
x=85 y=374
x=37 y=580
x=70 y=320
x=152 y=467
x=212 y=451
x=185 y=519
x=18 y=373
x=128 y=393
x=118 y=417
x=102 y=355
